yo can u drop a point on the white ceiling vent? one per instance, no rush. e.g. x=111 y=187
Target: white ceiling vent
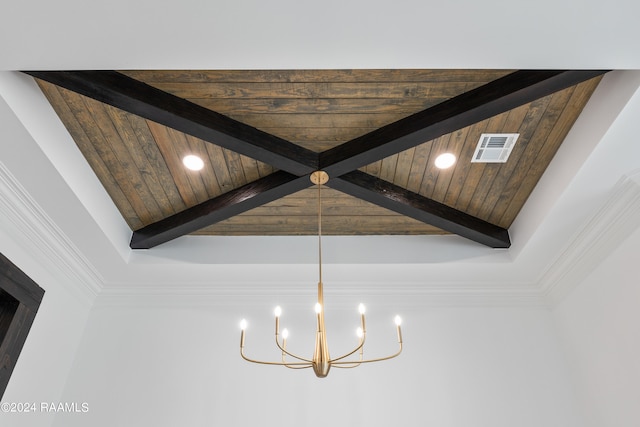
x=494 y=147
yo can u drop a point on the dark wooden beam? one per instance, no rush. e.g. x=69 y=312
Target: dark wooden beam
x=249 y=196
x=496 y=97
x=135 y=97
x=397 y=199
x=341 y=162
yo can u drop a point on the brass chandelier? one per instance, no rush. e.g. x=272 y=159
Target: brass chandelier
x=321 y=362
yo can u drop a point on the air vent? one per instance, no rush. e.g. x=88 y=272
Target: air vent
x=494 y=147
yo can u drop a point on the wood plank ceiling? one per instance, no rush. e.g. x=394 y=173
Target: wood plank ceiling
x=139 y=161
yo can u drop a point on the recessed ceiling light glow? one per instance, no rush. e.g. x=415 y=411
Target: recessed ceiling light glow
x=444 y=161
x=192 y=162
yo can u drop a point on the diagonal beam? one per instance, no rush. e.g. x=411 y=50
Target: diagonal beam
x=249 y=196
x=133 y=96
x=496 y=97
x=405 y=202
x=341 y=162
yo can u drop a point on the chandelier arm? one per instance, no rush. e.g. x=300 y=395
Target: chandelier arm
x=291 y=354
x=290 y=366
x=355 y=365
x=269 y=363
x=371 y=360
x=248 y=359
x=297 y=367
x=344 y=356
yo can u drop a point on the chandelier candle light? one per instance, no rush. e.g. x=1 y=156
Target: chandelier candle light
x=321 y=362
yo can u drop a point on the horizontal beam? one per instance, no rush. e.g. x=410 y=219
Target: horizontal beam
x=405 y=202
x=141 y=99
x=249 y=196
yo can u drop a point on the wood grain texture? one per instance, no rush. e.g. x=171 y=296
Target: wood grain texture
x=309 y=76
x=491 y=191
x=468 y=108
x=298 y=213
x=426 y=210
x=135 y=97
x=79 y=122
x=331 y=226
x=227 y=205
x=360 y=90
x=138 y=161
x=13 y=341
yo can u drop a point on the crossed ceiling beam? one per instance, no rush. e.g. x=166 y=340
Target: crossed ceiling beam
x=295 y=163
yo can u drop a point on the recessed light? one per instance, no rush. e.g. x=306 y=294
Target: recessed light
x=192 y=162
x=444 y=161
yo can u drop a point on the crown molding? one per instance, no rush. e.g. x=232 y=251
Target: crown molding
x=594 y=241
x=409 y=296
x=33 y=228
x=601 y=234
x=37 y=232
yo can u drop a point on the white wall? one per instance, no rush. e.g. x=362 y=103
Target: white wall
x=286 y=34
x=599 y=323
x=146 y=365
x=47 y=356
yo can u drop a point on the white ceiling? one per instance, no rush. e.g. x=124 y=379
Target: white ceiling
x=555 y=231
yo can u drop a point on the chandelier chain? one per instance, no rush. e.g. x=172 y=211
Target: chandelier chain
x=319 y=232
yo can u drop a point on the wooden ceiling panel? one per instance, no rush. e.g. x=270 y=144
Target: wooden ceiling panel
x=318 y=139
x=494 y=192
x=297 y=214
x=318 y=109
x=139 y=161
x=153 y=77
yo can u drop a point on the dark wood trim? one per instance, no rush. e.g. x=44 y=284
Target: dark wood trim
x=21 y=300
x=247 y=197
x=8 y=307
x=496 y=97
x=135 y=97
x=397 y=199
x=18 y=285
